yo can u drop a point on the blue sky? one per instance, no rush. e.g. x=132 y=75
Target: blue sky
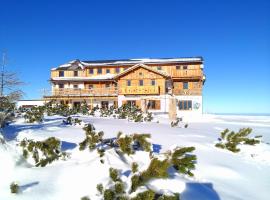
x=233 y=36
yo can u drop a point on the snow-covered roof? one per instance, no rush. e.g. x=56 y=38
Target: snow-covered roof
x=91 y=78
x=81 y=64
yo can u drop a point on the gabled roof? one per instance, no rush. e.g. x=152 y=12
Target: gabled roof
x=162 y=73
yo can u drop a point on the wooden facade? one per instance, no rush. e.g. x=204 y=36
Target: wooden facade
x=97 y=80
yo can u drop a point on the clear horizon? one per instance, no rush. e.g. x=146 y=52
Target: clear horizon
x=231 y=36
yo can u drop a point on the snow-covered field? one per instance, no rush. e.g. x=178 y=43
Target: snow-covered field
x=219 y=174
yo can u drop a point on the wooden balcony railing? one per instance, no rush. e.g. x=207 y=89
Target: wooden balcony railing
x=187 y=91
x=187 y=73
x=139 y=90
x=111 y=91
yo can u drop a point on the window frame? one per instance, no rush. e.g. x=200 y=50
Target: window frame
x=185 y=105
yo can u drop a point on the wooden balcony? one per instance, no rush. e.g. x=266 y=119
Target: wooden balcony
x=187 y=92
x=111 y=91
x=189 y=73
x=139 y=90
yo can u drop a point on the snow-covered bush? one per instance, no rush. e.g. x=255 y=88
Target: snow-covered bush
x=92 y=138
x=130 y=143
x=35 y=114
x=230 y=140
x=72 y=121
x=43 y=152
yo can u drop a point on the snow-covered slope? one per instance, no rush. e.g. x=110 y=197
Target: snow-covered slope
x=219 y=174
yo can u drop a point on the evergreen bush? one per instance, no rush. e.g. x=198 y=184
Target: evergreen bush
x=230 y=140
x=14 y=188
x=43 y=152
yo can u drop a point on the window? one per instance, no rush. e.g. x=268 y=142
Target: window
x=117 y=70
x=75 y=86
x=61 y=74
x=61 y=85
x=185 y=85
x=107 y=85
x=140 y=73
x=107 y=71
x=153 y=105
x=153 y=82
x=141 y=82
x=90 y=87
x=128 y=82
x=158 y=67
x=99 y=71
x=178 y=67
x=91 y=71
x=75 y=73
x=185 y=105
x=185 y=67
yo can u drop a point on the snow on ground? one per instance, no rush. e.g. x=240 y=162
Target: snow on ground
x=219 y=174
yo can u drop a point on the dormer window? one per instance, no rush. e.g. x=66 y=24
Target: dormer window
x=61 y=73
x=75 y=73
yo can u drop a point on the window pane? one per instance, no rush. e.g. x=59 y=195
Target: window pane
x=181 y=105
x=99 y=71
x=107 y=71
x=153 y=82
x=91 y=71
x=189 y=105
x=185 y=85
x=141 y=82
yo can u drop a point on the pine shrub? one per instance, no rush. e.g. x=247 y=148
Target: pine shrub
x=183 y=161
x=113 y=174
x=176 y=196
x=119 y=188
x=230 y=140
x=43 y=152
x=125 y=144
x=100 y=188
x=14 y=188
x=146 y=195
x=134 y=167
x=109 y=194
